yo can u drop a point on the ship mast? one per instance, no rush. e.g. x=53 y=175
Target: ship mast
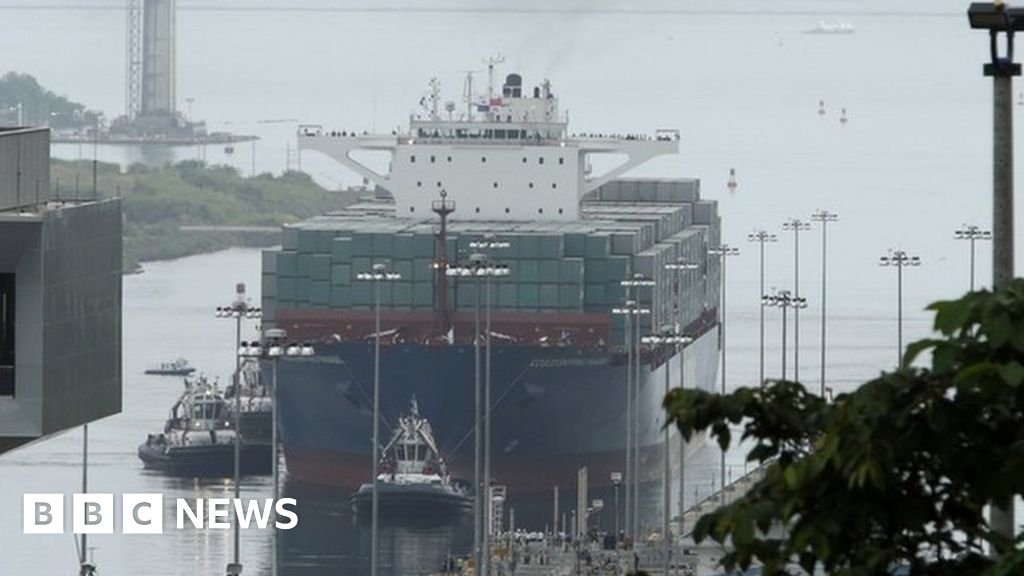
x=435 y=97
x=442 y=208
x=491 y=62
x=467 y=94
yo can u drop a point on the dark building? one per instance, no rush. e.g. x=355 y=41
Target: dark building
x=60 y=299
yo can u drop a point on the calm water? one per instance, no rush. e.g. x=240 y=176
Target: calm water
x=911 y=165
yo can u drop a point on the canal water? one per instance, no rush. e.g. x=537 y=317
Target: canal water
x=741 y=81
x=169 y=312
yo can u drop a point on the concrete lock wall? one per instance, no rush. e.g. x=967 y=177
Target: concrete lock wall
x=24 y=167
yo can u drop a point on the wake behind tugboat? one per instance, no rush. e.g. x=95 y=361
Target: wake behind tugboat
x=413 y=479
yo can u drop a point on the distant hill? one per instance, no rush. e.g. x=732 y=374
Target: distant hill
x=159 y=202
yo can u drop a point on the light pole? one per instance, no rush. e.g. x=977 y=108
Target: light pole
x=630 y=310
x=675 y=339
x=784 y=299
x=271 y=348
x=637 y=281
x=482 y=268
x=379 y=274
x=972 y=233
x=238 y=310
x=676 y=268
x=762 y=237
x=823 y=216
x=616 y=478
x=85 y=568
x=723 y=251
x=797 y=226
x=899 y=260
x=997 y=18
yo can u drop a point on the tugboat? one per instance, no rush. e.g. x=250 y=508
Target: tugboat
x=178 y=367
x=413 y=479
x=198 y=439
x=256 y=418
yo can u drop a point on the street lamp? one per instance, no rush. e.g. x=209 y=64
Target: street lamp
x=637 y=281
x=238 y=310
x=630 y=310
x=616 y=478
x=762 y=237
x=797 y=226
x=823 y=216
x=784 y=299
x=676 y=267
x=677 y=340
x=271 y=348
x=482 y=268
x=379 y=274
x=723 y=251
x=997 y=17
x=900 y=260
x=972 y=233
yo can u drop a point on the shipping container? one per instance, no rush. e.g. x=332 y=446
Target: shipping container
x=341 y=250
x=320 y=267
x=549 y=271
x=287 y=264
x=571 y=271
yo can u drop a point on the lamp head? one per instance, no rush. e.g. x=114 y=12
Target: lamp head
x=995 y=16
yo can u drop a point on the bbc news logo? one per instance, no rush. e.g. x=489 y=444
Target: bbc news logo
x=144 y=513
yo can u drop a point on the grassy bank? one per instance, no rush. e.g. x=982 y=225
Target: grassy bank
x=157 y=202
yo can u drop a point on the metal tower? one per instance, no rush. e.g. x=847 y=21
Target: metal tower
x=133 y=73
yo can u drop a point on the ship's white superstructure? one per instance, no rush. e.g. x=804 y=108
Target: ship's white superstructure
x=507 y=157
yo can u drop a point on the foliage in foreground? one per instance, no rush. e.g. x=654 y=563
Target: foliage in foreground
x=896 y=473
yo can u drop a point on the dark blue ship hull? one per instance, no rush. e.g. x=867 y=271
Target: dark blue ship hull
x=554 y=411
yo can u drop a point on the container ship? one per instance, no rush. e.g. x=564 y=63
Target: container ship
x=501 y=171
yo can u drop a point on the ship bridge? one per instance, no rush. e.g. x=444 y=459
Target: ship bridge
x=492 y=172
x=512 y=159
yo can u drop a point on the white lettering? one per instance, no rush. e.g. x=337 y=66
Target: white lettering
x=184 y=510
x=219 y=509
x=245 y=514
x=285 y=512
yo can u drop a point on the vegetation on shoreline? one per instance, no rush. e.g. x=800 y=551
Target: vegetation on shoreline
x=39 y=106
x=158 y=202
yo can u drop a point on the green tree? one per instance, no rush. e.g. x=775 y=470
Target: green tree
x=897 y=472
x=41 y=106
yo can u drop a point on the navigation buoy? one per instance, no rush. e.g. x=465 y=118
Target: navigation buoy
x=842 y=118
x=732 y=180
x=821 y=107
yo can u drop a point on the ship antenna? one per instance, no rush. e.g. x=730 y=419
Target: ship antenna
x=442 y=208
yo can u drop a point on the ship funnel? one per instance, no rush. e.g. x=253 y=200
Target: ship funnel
x=513 y=87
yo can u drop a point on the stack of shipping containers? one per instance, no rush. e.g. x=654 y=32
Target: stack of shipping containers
x=570 y=268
